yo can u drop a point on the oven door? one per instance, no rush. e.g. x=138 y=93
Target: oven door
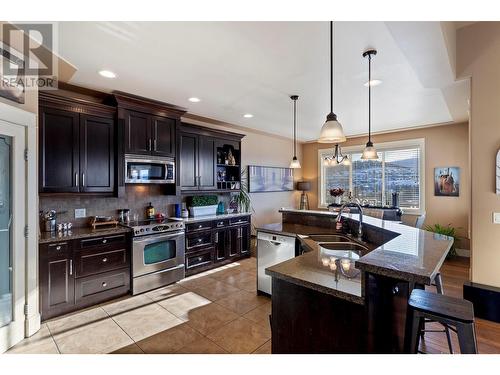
x=149 y=171
x=157 y=252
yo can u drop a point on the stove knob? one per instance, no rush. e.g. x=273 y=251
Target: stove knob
x=147 y=229
x=136 y=232
x=142 y=230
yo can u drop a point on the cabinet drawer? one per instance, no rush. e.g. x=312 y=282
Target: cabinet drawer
x=220 y=223
x=93 y=262
x=200 y=258
x=102 y=286
x=57 y=249
x=239 y=220
x=194 y=227
x=194 y=242
x=118 y=239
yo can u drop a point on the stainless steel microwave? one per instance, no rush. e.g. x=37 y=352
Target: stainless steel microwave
x=149 y=170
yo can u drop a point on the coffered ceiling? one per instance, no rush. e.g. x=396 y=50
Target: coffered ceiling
x=253 y=67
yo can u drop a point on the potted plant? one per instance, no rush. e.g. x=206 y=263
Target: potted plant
x=447 y=231
x=243 y=198
x=337 y=193
x=201 y=205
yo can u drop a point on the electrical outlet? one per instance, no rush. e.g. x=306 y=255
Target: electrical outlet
x=496 y=217
x=80 y=213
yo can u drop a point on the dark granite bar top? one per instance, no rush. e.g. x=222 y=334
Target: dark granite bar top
x=76 y=233
x=410 y=254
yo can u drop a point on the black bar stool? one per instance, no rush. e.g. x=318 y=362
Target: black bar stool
x=453 y=312
x=438 y=283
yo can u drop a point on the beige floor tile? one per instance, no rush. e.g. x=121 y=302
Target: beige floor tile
x=167 y=292
x=248 y=263
x=181 y=305
x=126 y=304
x=236 y=278
x=103 y=336
x=240 y=336
x=210 y=317
x=260 y=315
x=129 y=349
x=40 y=343
x=202 y=346
x=68 y=324
x=242 y=302
x=196 y=281
x=170 y=340
x=264 y=349
x=215 y=291
x=146 y=321
x=225 y=271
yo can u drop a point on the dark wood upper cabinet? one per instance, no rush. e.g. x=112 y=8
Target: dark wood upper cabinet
x=200 y=149
x=137 y=133
x=163 y=135
x=76 y=145
x=59 y=153
x=97 y=157
x=188 y=161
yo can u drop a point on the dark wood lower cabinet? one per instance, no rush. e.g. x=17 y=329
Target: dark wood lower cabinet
x=210 y=244
x=83 y=272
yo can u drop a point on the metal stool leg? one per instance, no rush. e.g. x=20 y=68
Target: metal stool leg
x=439 y=286
x=415 y=327
x=467 y=338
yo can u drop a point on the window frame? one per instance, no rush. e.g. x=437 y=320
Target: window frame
x=384 y=146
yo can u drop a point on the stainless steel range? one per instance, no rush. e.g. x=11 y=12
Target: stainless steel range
x=157 y=253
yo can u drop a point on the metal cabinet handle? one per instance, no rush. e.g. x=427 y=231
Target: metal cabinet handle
x=154 y=142
x=200 y=259
x=200 y=226
x=83 y=179
x=71 y=267
x=149 y=144
x=104 y=241
x=199 y=239
x=217 y=237
x=104 y=260
x=58 y=247
x=104 y=284
x=76 y=179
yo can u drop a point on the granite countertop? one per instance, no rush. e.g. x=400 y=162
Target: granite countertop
x=411 y=254
x=212 y=217
x=76 y=233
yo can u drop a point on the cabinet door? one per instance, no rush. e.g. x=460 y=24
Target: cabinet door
x=57 y=285
x=234 y=242
x=245 y=239
x=97 y=160
x=59 y=151
x=206 y=163
x=221 y=242
x=163 y=134
x=188 y=161
x=138 y=133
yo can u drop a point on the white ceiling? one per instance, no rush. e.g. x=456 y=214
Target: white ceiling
x=253 y=67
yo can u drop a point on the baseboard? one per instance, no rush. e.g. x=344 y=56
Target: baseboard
x=32 y=324
x=486 y=300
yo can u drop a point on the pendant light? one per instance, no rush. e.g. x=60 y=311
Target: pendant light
x=369 y=153
x=337 y=158
x=295 y=162
x=332 y=131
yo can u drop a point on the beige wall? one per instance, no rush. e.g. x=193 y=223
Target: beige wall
x=259 y=148
x=445 y=145
x=478 y=56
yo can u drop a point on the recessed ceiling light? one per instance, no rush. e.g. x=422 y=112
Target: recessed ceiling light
x=107 y=73
x=373 y=82
x=194 y=100
x=247 y=115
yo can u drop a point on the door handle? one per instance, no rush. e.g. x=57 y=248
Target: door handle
x=71 y=267
x=76 y=179
x=83 y=179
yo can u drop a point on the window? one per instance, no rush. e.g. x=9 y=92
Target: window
x=373 y=182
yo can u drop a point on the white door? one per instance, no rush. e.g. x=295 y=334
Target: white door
x=12 y=240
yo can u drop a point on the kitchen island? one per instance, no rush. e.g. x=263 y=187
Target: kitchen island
x=331 y=299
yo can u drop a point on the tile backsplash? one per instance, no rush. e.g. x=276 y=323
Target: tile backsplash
x=136 y=198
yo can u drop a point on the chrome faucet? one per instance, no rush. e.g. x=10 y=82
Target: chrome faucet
x=360 y=227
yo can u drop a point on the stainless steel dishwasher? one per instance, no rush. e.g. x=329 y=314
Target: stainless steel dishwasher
x=271 y=249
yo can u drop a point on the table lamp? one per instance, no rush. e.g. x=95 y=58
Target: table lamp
x=304 y=200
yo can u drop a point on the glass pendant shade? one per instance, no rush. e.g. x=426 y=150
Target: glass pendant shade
x=332 y=131
x=369 y=153
x=295 y=163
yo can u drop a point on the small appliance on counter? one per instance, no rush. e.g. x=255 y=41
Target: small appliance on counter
x=48 y=220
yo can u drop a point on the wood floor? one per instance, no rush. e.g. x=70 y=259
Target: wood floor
x=455 y=272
